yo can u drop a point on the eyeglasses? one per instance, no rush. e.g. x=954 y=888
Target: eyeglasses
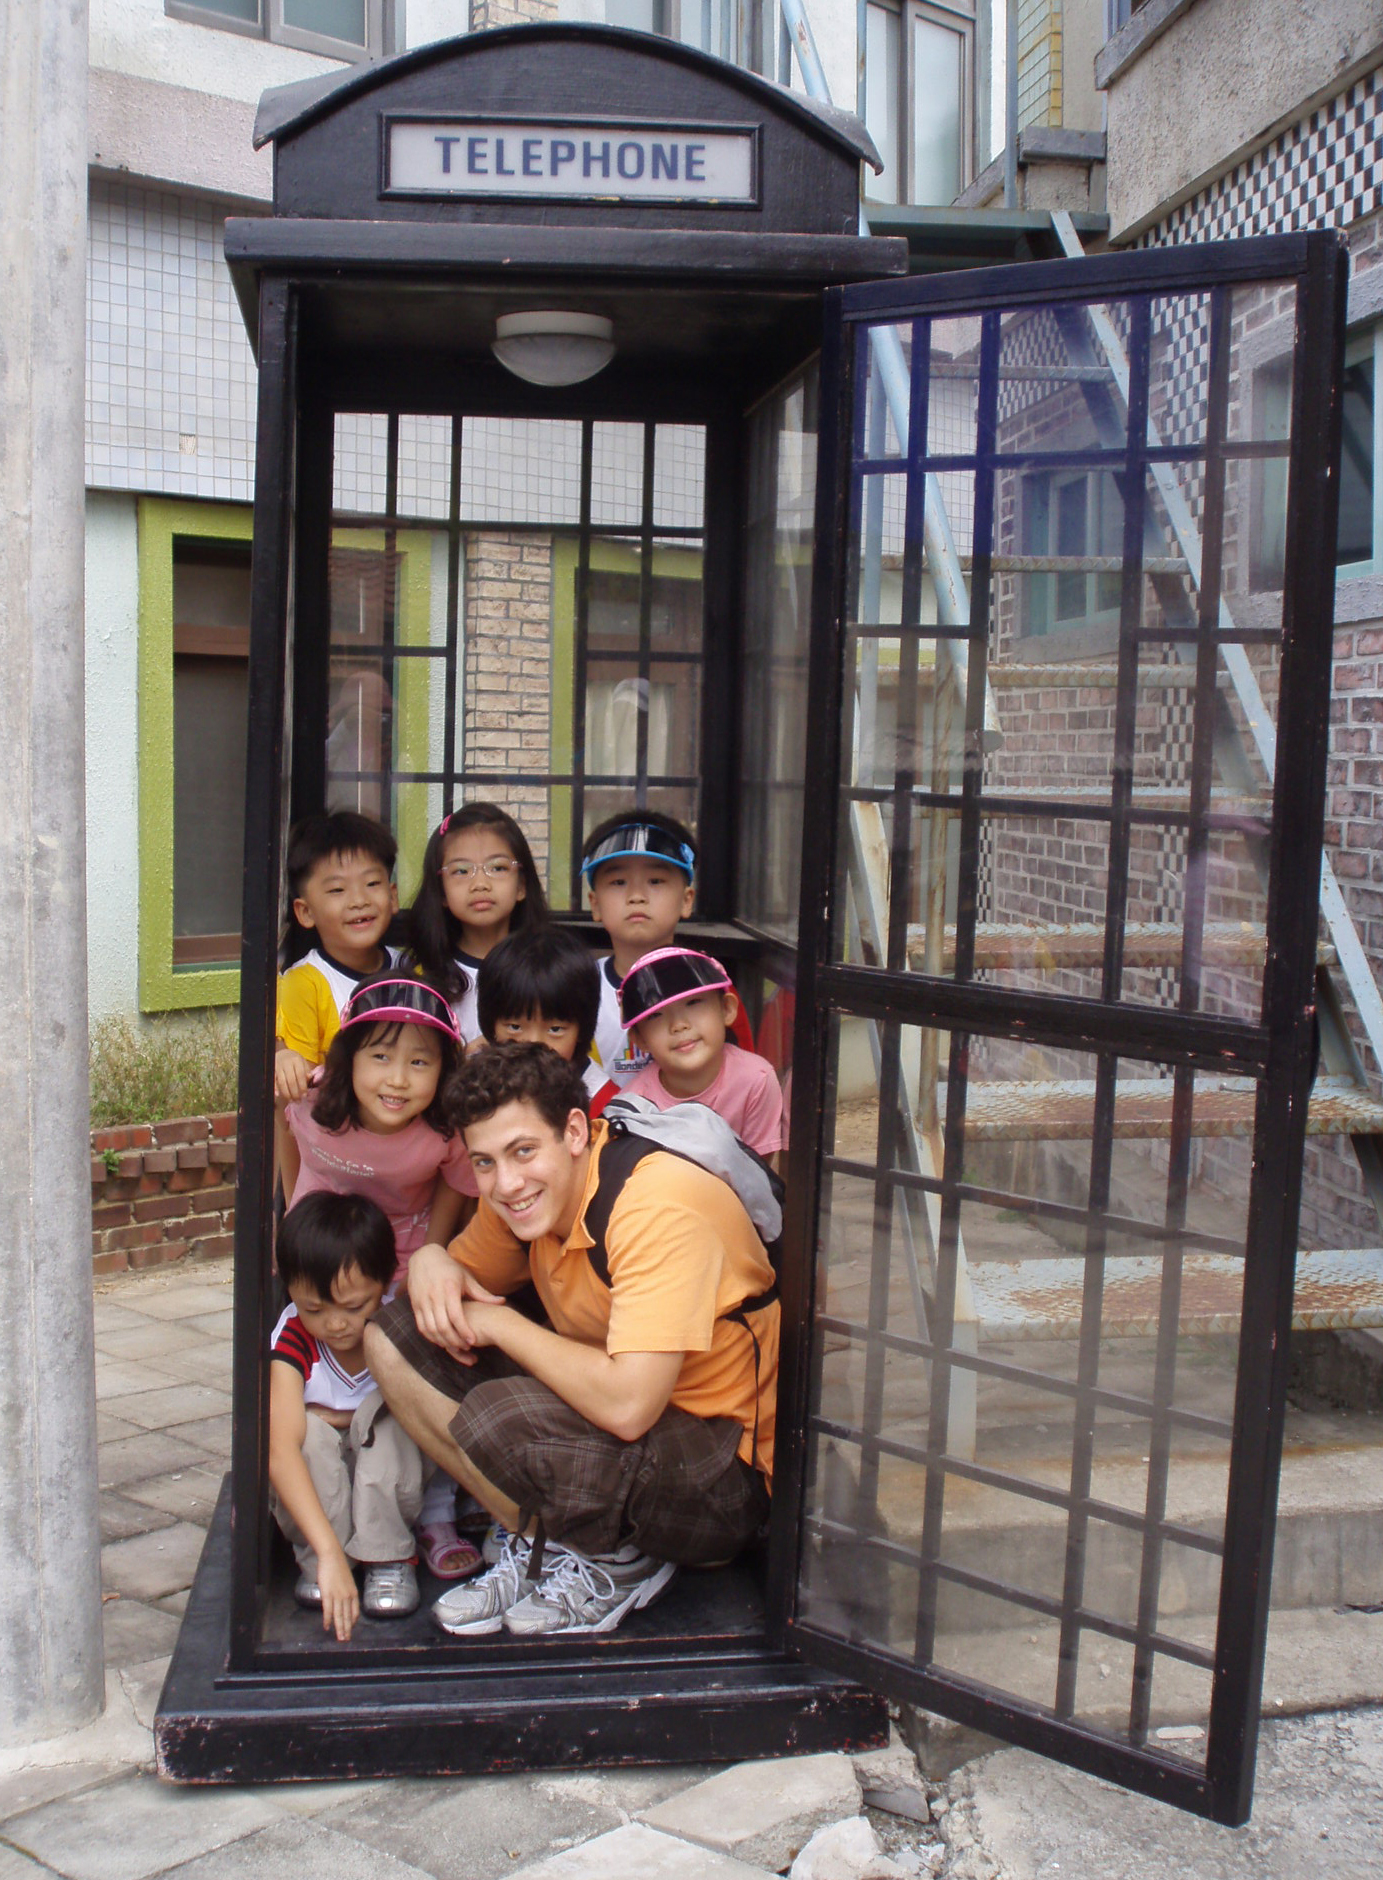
x=462 y=871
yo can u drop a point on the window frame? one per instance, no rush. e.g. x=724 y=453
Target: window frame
x=1059 y=637
x=164 y=985
x=383 y=28
x=958 y=17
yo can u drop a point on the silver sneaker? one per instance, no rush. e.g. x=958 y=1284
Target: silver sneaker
x=479 y=1605
x=307 y=1592
x=588 y=1592
x=390 y=1591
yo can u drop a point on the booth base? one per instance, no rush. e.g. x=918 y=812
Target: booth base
x=674 y=1691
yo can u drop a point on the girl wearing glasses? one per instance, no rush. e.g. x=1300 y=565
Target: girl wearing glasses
x=479 y=884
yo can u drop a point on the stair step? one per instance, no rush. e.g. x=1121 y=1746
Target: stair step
x=1013 y=1111
x=1336 y=1290
x=1048 y=945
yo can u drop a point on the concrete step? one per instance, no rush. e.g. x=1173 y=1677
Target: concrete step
x=1047 y=946
x=1012 y=1111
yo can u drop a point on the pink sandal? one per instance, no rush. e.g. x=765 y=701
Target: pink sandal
x=447 y=1554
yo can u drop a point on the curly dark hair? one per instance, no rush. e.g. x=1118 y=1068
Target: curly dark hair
x=515 y=1073
x=433 y=931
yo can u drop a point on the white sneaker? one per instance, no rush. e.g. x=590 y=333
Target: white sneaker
x=479 y=1605
x=587 y=1592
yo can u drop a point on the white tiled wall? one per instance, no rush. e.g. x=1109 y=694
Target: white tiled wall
x=170 y=394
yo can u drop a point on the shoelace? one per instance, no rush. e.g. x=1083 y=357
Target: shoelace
x=572 y=1576
x=389 y=1578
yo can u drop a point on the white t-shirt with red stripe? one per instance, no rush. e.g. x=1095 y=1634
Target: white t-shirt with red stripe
x=324 y=1381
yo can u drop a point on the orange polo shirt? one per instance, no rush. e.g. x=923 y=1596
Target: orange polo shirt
x=682 y=1252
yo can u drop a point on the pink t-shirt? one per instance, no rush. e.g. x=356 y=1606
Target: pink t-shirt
x=397 y=1172
x=744 y=1091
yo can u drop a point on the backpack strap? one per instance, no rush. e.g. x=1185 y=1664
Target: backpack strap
x=619 y=1157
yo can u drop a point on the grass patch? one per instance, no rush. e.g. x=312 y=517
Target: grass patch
x=147 y=1074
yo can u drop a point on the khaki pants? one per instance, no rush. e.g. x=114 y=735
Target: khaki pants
x=369 y=1479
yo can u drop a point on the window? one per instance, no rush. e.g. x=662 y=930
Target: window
x=342 y=29
x=1359 y=543
x=211 y=652
x=194 y=602
x=1076 y=518
x=918 y=65
x=751 y=33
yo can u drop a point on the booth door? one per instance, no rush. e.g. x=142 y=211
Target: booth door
x=1069 y=687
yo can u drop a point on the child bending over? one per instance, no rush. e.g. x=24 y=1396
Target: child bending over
x=346 y=1481
x=679 y=1006
x=542 y=986
x=340 y=881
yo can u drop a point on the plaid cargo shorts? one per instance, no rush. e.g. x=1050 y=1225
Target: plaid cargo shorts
x=679 y=1493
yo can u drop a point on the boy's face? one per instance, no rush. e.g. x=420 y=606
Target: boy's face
x=638 y=900
x=339 y=1322
x=558 y=1034
x=687 y=1040
x=348 y=900
x=532 y=1175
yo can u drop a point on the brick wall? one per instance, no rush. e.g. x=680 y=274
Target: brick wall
x=508 y=672
x=171 y=1194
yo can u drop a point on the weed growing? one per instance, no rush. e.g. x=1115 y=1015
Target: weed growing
x=167 y=1068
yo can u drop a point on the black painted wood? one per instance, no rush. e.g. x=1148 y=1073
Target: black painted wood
x=470 y=1712
x=328 y=160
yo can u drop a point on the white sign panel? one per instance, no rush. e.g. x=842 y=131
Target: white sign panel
x=575 y=161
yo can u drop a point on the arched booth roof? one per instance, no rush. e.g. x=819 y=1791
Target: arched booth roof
x=701 y=207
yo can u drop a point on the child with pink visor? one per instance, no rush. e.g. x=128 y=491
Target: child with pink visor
x=679 y=1004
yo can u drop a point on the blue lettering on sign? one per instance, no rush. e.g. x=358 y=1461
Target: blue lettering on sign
x=589 y=157
x=500 y=170
x=532 y=149
x=634 y=152
x=446 y=143
x=696 y=163
x=563 y=151
x=665 y=161
x=475 y=157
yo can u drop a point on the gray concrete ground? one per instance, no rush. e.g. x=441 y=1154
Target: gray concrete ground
x=87 y=1806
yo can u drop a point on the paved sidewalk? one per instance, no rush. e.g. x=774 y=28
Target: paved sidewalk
x=88 y=1807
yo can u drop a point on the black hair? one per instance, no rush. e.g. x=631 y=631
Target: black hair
x=317 y=839
x=653 y=817
x=545 y=971
x=324 y=1233
x=335 y=1104
x=516 y=1073
x=433 y=931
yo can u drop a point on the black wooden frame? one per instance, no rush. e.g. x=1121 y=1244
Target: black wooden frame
x=1278 y=1051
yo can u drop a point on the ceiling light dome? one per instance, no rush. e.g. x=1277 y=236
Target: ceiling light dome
x=554 y=348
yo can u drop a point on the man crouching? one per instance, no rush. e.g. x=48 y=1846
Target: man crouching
x=634 y=1431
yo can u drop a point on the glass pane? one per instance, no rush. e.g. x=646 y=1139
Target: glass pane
x=938 y=65
x=232 y=9
x=881 y=100
x=360 y=465
x=211 y=616
x=521 y=470
x=679 y=476
x=777 y=620
x=1355 y=539
x=617 y=475
x=335 y=19
x=424 y=467
x=1064 y=1547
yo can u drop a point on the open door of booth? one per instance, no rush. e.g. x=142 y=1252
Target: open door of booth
x=1054 y=1006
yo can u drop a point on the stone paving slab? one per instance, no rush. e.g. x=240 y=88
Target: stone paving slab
x=185 y=1301
x=111 y=1428
x=640 y=1853
x=151 y=1565
x=15 y=1866
x=120 y=1378
x=304 y=1850
x=116 y=1737
x=188 y=1494
x=208 y=1361
x=135 y=1630
x=151 y=1452
x=763 y=1812
x=210 y=1434
x=184 y=1404
x=214 y=1324
x=472 y=1828
x=143 y=1685
x=109 y=1315
x=176 y=1603
x=121 y=1517
x=32 y=1788
x=150 y=1338
x=135 y=1827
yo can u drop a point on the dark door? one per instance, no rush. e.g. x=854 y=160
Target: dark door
x=1069 y=688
